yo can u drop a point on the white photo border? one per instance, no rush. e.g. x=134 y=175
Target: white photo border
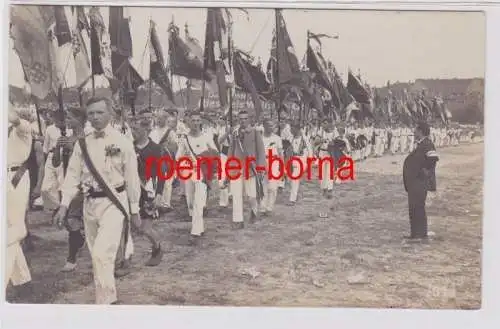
x=52 y=316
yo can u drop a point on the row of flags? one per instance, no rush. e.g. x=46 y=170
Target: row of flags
x=101 y=50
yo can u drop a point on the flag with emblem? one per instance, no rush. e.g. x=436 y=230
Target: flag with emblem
x=80 y=37
x=157 y=64
x=29 y=26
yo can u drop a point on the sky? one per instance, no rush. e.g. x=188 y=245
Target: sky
x=382 y=45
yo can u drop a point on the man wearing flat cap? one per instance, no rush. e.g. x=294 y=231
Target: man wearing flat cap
x=419 y=177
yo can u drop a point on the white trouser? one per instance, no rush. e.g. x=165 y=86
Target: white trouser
x=296 y=171
x=223 y=190
x=395 y=144
x=270 y=188
x=368 y=150
x=17 y=270
x=402 y=142
x=196 y=198
x=326 y=179
x=166 y=197
x=103 y=223
x=239 y=188
x=51 y=184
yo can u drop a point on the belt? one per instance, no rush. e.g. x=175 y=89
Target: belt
x=101 y=194
x=14 y=169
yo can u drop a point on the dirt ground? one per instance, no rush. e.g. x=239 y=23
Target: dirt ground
x=354 y=258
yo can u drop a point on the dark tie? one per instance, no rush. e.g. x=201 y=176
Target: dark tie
x=99 y=134
x=10 y=130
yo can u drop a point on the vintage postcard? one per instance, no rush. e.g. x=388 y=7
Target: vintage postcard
x=245 y=157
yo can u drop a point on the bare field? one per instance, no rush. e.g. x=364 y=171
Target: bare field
x=354 y=258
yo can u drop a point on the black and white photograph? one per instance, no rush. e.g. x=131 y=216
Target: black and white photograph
x=245 y=157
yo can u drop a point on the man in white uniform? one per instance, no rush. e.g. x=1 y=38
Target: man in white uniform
x=272 y=143
x=18 y=185
x=115 y=160
x=192 y=146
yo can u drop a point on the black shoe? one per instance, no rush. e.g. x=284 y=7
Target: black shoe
x=123 y=269
x=156 y=257
x=194 y=239
x=238 y=226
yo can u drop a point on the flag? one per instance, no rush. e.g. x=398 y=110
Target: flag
x=130 y=80
x=80 y=52
x=289 y=66
x=62 y=31
x=156 y=65
x=120 y=37
x=60 y=40
x=318 y=36
x=317 y=64
x=258 y=76
x=186 y=58
x=357 y=90
x=244 y=79
x=100 y=48
x=217 y=56
x=29 y=32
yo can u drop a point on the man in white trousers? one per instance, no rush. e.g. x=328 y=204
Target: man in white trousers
x=301 y=149
x=19 y=146
x=272 y=143
x=246 y=145
x=115 y=162
x=192 y=146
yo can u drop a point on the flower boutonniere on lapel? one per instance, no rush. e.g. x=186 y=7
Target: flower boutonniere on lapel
x=112 y=150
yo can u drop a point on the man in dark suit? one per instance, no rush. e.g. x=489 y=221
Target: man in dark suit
x=419 y=177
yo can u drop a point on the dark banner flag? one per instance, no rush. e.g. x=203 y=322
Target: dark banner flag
x=217 y=52
x=157 y=64
x=317 y=64
x=357 y=90
x=62 y=31
x=289 y=67
x=185 y=58
x=244 y=79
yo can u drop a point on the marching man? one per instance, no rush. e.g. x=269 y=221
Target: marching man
x=246 y=143
x=104 y=165
x=272 y=142
x=299 y=147
x=18 y=150
x=192 y=146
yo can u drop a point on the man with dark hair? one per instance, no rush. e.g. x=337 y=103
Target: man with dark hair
x=419 y=177
x=195 y=146
x=151 y=187
x=75 y=119
x=246 y=144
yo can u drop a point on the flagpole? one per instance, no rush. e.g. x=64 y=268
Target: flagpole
x=150 y=80
x=277 y=84
x=230 y=57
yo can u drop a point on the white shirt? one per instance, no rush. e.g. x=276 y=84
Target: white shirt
x=52 y=134
x=273 y=143
x=300 y=146
x=19 y=144
x=198 y=145
x=116 y=169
